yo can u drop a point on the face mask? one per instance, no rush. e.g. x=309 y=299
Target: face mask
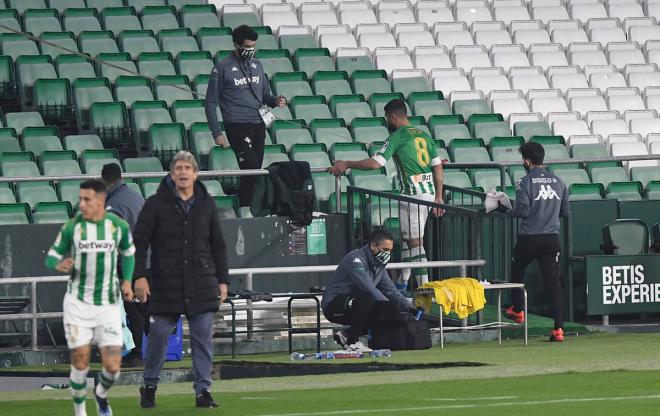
x=246 y=53
x=382 y=257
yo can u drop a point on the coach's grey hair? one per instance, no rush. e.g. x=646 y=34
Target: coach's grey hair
x=183 y=156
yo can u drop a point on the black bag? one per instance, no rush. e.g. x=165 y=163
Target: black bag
x=408 y=334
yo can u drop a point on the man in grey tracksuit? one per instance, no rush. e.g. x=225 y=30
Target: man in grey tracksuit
x=361 y=294
x=239 y=86
x=541 y=198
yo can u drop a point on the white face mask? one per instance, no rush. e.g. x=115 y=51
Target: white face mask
x=246 y=53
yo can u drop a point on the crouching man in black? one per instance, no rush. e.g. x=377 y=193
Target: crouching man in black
x=361 y=295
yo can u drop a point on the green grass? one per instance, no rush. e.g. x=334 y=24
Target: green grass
x=598 y=374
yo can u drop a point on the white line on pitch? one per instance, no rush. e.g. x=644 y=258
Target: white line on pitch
x=467 y=399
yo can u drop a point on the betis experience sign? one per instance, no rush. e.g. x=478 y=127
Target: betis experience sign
x=623 y=284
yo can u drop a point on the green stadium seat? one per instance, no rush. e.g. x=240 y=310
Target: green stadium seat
x=136 y=42
x=505 y=154
x=215 y=39
x=201 y=142
x=14 y=214
x=487 y=130
x=15 y=45
x=19 y=121
x=143 y=115
x=488 y=179
x=291 y=136
x=119 y=64
x=516 y=173
x=131 y=89
x=188 y=112
x=310 y=108
x=68 y=191
x=227 y=206
x=80 y=143
x=331 y=135
x=49 y=217
x=330 y=83
x=139 y=5
x=546 y=140
x=348 y=154
x=233 y=20
x=52 y=99
x=88 y=91
x=110 y=122
x=198 y=16
x=509 y=141
x=7 y=196
x=157 y=18
x=99 y=5
x=28 y=70
x=153 y=64
x=62 y=5
x=200 y=84
x=457 y=179
x=61 y=39
x=370 y=82
x=142 y=164
x=312 y=154
x=274 y=61
x=94 y=166
x=467 y=108
x=625 y=237
x=470 y=154
x=61 y=167
x=351 y=64
x=224 y=159
x=428 y=104
x=280 y=113
x=43 y=20
x=165 y=139
x=369 y=130
x=119 y=19
x=378 y=102
x=213 y=187
x=172 y=88
x=571 y=176
x=9 y=144
x=38 y=144
x=10 y=19
x=266 y=38
x=272 y=157
x=150 y=189
x=73 y=67
x=311 y=61
x=324 y=187
x=409 y=85
x=175 y=41
x=192 y=64
x=377 y=182
x=293 y=42
x=97 y=42
x=557 y=152
x=477 y=118
x=624 y=191
x=449 y=132
x=350 y=110
x=90 y=154
x=527 y=129
x=645 y=174
x=291 y=84
x=608 y=175
x=7 y=83
x=81 y=20
x=35 y=194
x=593 y=150
x=586 y=192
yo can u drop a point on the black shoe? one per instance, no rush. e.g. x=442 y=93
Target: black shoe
x=147 y=397
x=204 y=399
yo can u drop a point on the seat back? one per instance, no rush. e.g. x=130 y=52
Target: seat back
x=626 y=237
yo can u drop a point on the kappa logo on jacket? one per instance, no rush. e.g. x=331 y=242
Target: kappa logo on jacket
x=546 y=193
x=357 y=260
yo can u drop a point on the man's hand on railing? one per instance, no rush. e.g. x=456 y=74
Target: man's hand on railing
x=338 y=168
x=142 y=289
x=438 y=212
x=65 y=265
x=127 y=291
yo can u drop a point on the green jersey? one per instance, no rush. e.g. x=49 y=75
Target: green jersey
x=94 y=247
x=414 y=154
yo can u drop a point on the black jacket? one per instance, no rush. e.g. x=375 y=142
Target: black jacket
x=188 y=258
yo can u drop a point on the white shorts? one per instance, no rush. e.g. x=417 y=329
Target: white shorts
x=85 y=324
x=413 y=217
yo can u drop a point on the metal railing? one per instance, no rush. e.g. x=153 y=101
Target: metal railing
x=34 y=315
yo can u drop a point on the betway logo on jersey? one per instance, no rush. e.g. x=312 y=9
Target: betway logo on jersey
x=546 y=193
x=95 y=246
x=244 y=80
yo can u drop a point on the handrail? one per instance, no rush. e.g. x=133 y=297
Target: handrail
x=34 y=315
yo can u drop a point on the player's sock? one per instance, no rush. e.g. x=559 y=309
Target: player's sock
x=404 y=273
x=106 y=380
x=418 y=254
x=78 y=380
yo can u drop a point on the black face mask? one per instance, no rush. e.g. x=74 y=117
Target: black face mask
x=382 y=257
x=246 y=53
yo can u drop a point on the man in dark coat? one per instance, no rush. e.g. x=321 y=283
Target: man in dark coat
x=188 y=272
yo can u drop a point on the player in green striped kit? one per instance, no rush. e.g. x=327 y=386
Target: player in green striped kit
x=91 y=305
x=420 y=175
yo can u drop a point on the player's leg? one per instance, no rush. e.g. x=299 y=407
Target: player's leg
x=79 y=368
x=201 y=342
x=108 y=337
x=414 y=251
x=160 y=328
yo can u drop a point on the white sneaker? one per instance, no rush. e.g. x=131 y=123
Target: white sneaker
x=358 y=347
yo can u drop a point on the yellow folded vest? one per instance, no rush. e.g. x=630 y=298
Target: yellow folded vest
x=462 y=295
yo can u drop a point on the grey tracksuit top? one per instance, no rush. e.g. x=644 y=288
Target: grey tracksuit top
x=541 y=198
x=240 y=88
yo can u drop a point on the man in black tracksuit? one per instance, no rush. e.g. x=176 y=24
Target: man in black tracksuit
x=240 y=87
x=541 y=198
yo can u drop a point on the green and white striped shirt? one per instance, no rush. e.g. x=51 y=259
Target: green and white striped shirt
x=94 y=247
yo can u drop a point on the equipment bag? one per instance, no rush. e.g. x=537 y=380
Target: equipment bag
x=408 y=334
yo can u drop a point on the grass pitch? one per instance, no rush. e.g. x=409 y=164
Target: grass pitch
x=598 y=374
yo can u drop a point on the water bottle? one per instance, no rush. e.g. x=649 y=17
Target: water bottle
x=380 y=353
x=297 y=356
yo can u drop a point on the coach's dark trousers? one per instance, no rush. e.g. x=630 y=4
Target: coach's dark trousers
x=248 y=142
x=545 y=249
x=201 y=342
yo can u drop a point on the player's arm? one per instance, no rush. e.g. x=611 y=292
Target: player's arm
x=55 y=258
x=341 y=166
x=438 y=178
x=127 y=253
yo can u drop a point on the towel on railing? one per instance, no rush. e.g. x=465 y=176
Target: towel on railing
x=462 y=295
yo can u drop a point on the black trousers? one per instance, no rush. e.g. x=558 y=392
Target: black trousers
x=138 y=317
x=361 y=312
x=545 y=249
x=248 y=141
